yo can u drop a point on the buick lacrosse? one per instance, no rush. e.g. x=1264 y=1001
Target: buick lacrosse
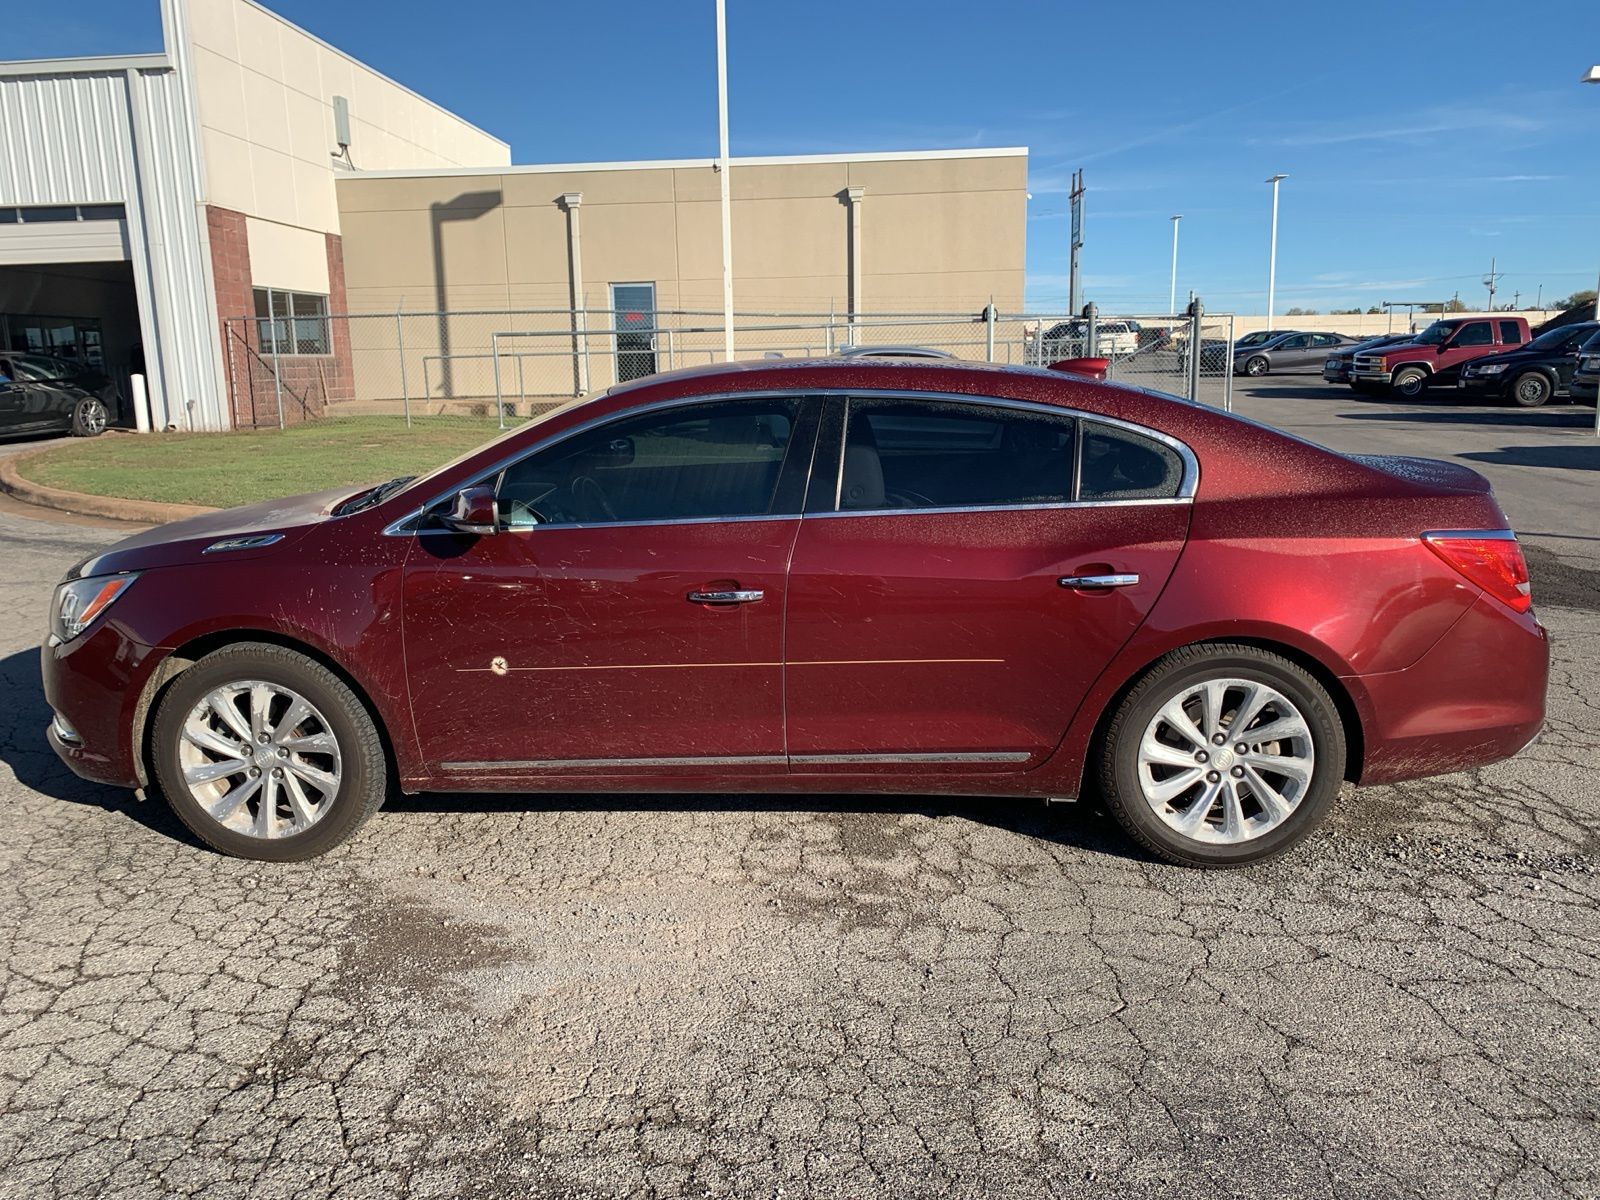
x=852 y=575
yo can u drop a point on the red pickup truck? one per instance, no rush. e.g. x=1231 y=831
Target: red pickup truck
x=1436 y=354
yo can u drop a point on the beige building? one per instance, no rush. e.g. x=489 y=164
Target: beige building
x=859 y=235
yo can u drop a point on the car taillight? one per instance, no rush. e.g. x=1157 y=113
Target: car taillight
x=1490 y=558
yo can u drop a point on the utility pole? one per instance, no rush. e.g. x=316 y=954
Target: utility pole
x=1516 y=301
x=1539 y=300
x=1076 y=197
x=1491 y=280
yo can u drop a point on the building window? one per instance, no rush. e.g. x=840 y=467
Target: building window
x=292 y=322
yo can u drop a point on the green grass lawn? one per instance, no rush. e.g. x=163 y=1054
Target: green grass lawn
x=226 y=469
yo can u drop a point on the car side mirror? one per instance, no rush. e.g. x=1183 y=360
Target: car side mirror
x=474 y=510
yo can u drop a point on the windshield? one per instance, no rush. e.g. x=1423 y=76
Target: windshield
x=422 y=481
x=1592 y=346
x=1436 y=334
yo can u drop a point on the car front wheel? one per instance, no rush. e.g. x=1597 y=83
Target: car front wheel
x=265 y=753
x=1531 y=389
x=1223 y=755
x=89 y=418
x=1256 y=366
x=1411 y=382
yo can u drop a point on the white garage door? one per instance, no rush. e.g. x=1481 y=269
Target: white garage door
x=32 y=235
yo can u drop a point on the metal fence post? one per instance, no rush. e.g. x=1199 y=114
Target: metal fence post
x=277 y=380
x=988 y=320
x=1196 y=348
x=1091 y=314
x=830 y=329
x=499 y=398
x=400 y=340
x=1227 y=375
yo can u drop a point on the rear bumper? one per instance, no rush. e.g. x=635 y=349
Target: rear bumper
x=94 y=685
x=1476 y=697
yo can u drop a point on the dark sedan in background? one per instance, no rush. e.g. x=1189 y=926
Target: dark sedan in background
x=40 y=394
x=1534 y=373
x=1288 y=351
x=1336 y=367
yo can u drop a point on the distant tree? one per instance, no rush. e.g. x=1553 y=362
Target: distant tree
x=1375 y=311
x=1345 y=312
x=1453 y=305
x=1297 y=311
x=1586 y=296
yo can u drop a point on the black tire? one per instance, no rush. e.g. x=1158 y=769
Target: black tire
x=1410 y=382
x=364 y=774
x=89 y=418
x=1532 y=389
x=1255 y=366
x=1183 y=668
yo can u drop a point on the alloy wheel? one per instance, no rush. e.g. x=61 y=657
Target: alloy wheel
x=92 y=417
x=260 y=759
x=1226 y=760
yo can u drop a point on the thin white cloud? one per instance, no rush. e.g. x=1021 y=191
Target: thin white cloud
x=1427 y=123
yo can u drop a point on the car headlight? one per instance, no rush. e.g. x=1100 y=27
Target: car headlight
x=1490 y=369
x=79 y=601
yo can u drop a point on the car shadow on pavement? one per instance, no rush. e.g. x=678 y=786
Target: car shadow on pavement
x=24 y=749
x=1080 y=825
x=1569 y=458
x=1515 y=418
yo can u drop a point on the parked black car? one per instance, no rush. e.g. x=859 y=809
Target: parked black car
x=1533 y=373
x=1586 y=379
x=39 y=394
x=1288 y=352
x=1336 y=368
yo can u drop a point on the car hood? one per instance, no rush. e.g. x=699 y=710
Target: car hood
x=185 y=541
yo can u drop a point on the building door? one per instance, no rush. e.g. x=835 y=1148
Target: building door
x=633 y=307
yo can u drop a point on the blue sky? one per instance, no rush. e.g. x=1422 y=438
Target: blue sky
x=1419 y=139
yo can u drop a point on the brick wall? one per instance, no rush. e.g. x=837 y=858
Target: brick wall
x=306 y=384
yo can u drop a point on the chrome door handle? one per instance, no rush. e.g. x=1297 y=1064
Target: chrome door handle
x=733 y=597
x=1097 y=582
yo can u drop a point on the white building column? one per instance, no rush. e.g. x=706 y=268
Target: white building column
x=854 y=196
x=570 y=201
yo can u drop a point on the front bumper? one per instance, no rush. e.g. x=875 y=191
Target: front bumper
x=1370 y=375
x=95 y=686
x=1336 y=374
x=1482 y=385
x=1476 y=697
x=1584 y=387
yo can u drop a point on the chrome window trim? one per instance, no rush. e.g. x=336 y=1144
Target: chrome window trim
x=1477 y=535
x=996 y=508
x=1186 y=488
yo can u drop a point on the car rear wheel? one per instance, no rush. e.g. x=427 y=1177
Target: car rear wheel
x=1223 y=755
x=1256 y=366
x=89 y=418
x=265 y=753
x=1410 y=382
x=1531 y=389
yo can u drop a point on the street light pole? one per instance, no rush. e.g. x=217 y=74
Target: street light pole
x=1272 y=254
x=1172 y=295
x=1592 y=75
x=722 y=171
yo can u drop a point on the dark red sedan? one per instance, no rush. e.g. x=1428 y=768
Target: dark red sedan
x=843 y=576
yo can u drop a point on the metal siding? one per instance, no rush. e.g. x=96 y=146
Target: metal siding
x=63 y=137
x=63 y=242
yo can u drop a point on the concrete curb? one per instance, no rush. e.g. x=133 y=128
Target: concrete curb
x=141 y=512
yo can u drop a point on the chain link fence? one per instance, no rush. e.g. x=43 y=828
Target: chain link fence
x=491 y=369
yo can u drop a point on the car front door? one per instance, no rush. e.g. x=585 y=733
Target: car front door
x=626 y=617
x=1293 y=353
x=13 y=397
x=1467 y=342
x=1566 y=358
x=964 y=572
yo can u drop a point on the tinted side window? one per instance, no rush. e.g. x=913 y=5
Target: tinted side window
x=1299 y=342
x=1121 y=465
x=925 y=454
x=721 y=459
x=1475 y=333
x=1510 y=333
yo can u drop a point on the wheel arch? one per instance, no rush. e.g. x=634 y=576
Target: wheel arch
x=197 y=648
x=1336 y=687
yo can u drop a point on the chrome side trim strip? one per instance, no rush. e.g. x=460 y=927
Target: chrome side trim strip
x=996 y=756
x=1479 y=535
x=535 y=764
x=1186 y=490
x=736 y=760
x=993 y=508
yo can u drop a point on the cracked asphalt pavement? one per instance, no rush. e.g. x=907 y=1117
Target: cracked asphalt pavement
x=841 y=997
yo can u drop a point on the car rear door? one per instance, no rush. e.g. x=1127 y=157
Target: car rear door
x=964 y=572
x=627 y=616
